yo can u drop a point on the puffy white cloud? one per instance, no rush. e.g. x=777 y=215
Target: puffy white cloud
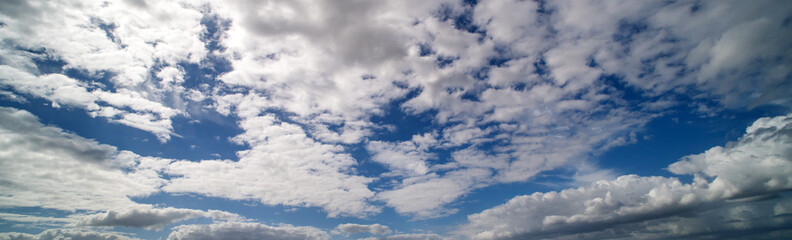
x=125 y=44
x=238 y=230
x=75 y=234
x=282 y=167
x=351 y=228
x=714 y=47
x=44 y=166
x=759 y=163
x=524 y=87
x=757 y=166
x=426 y=196
x=145 y=114
x=408 y=158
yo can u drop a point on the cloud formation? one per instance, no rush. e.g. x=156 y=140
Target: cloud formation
x=68 y=172
x=441 y=97
x=283 y=167
x=238 y=230
x=53 y=234
x=756 y=167
x=351 y=228
x=410 y=236
x=151 y=218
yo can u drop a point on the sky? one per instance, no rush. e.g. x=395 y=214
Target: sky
x=395 y=120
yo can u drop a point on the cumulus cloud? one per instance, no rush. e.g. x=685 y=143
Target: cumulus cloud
x=512 y=88
x=53 y=234
x=76 y=174
x=283 y=167
x=555 y=73
x=68 y=172
x=151 y=218
x=756 y=167
x=237 y=230
x=408 y=158
x=351 y=228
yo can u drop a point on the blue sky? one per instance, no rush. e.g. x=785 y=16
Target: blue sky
x=195 y=119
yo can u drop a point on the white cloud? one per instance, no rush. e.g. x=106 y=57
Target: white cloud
x=112 y=40
x=43 y=166
x=542 y=89
x=46 y=167
x=238 y=230
x=409 y=236
x=282 y=167
x=351 y=228
x=426 y=196
x=757 y=166
x=54 y=234
x=407 y=158
x=35 y=220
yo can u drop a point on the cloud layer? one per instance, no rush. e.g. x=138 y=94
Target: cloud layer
x=245 y=231
x=756 y=167
x=359 y=108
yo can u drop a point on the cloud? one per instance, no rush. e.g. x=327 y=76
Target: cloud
x=662 y=48
x=426 y=196
x=756 y=167
x=75 y=234
x=151 y=218
x=125 y=58
x=511 y=89
x=408 y=158
x=554 y=77
x=351 y=228
x=237 y=230
x=43 y=166
x=282 y=167
x=145 y=114
x=410 y=236
x=35 y=220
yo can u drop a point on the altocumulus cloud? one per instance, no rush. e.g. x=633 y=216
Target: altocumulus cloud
x=756 y=167
x=360 y=108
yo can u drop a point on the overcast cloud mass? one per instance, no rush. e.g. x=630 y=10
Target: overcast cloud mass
x=413 y=119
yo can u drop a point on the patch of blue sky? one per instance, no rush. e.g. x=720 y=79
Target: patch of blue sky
x=215 y=26
x=365 y=167
x=461 y=18
x=406 y=124
x=31 y=228
x=679 y=133
x=198 y=141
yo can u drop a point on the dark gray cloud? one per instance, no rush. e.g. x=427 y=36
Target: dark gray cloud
x=150 y=218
